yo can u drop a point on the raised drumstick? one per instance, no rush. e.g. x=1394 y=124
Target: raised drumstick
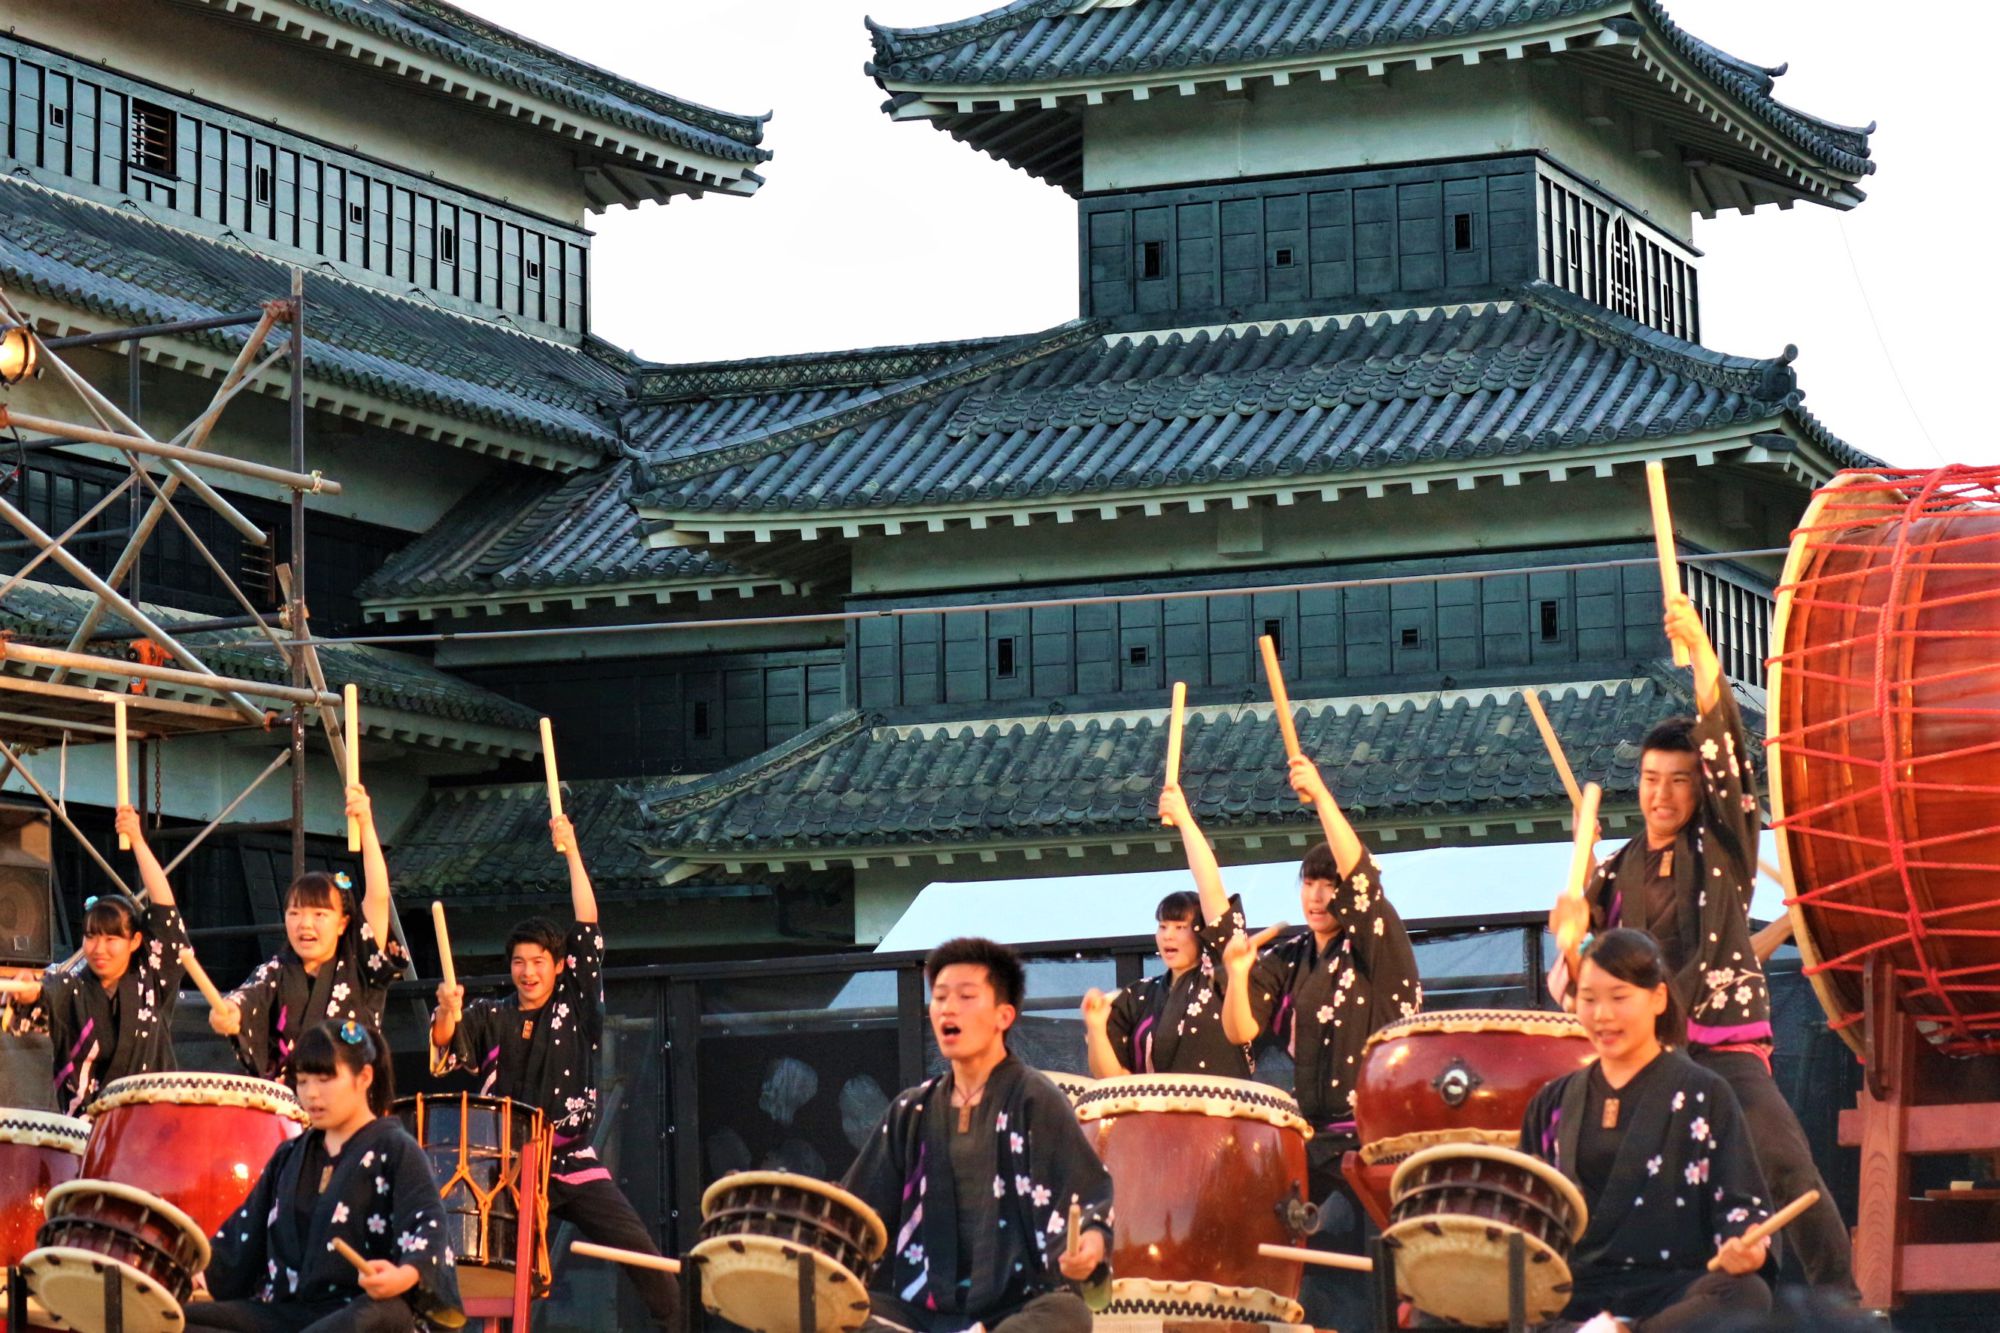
x=1282 y=702
x=1579 y=870
x=349 y=1253
x=592 y=1250
x=1783 y=1217
x=1175 y=720
x=124 y=777
x=199 y=976
x=1533 y=699
x=444 y=944
x=1663 y=541
x=1354 y=1263
x=555 y=782
x=350 y=708
x=1075 y=1241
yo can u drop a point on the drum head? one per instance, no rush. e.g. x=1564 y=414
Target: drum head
x=1191 y=1094
x=44 y=1129
x=1455 y=1267
x=754 y=1281
x=878 y=1234
x=1200 y=1300
x=198 y=1089
x=69 y=1284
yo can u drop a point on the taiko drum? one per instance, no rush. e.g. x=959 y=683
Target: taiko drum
x=196 y=1141
x=1884 y=699
x=39 y=1150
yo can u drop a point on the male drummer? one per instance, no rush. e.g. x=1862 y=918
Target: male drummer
x=539 y=1046
x=1688 y=881
x=1323 y=992
x=110 y=1013
x=975 y=1173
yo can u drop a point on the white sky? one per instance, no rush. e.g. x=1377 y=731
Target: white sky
x=872 y=232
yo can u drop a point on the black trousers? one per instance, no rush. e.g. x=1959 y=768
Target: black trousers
x=1333 y=1297
x=1819 y=1237
x=1705 y=1302
x=1050 y=1312
x=363 y=1314
x=600 y=1210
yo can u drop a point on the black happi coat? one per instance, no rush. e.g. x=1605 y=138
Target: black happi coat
x=560 y=1073
x=1717 y=978
x=382 y=1200
x=98 y=1038
x=280 y=999
x=1167 y=1025
x=1685 y=1179
x=1325 y=1005
x=904 y=1173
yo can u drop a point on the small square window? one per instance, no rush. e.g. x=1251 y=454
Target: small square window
x=1461 y=232
x=1137 y=655
x=262 y=184
x=58 y=117
x=1413 y=637
x=1003 y=658
x=1283 y=258
x=1152 y=259
x=533 y=268
x=357 y=213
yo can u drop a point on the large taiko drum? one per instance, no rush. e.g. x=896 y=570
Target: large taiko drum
x=1453 y=1076
x=756 y=1229
x=39 y=1150
x=1884 y=705
x=474 y=1145
x=197 y=1141
x=1205 y=1169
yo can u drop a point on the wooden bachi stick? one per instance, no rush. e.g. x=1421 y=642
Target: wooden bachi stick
x=349 y=1253
x=120 y=739
x=1176 y=720
x=350 y=708
x=592 y=1250
x=555 y=781
x=199 y=976
x=444 y=944
x=1775 y=1222
x=1354 y=1263
x=1075 y=1241
x=1549 y=739
x=1282 y=702
x=1663 y=542
x=1581 y=859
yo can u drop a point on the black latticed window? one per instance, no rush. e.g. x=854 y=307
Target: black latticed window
x=152 y=138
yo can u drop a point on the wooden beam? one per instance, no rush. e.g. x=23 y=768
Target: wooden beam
x=1966 y=1127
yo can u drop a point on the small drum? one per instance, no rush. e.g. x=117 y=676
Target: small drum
x=474 y=1146
x=38 y=1151
x=1453 y=1076
x=1205 y=1170
x=755 y=1226
x=1455 y=1207
x=195 y=1141
x=99 y=1225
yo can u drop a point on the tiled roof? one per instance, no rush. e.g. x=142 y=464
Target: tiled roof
x=117 y=264
x=1052 y=43
x=858 y=785
x=1075 y=415
x=402 y=696
x=451 y=34
x=494 y=840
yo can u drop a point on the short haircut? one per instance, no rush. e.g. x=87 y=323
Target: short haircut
x=1319 y=864
x=1002 y=964
x=540 y=932
x=1676 y=734
x=1634 y=957
x=316 y=888
x=1182 y=905
x=111 y=914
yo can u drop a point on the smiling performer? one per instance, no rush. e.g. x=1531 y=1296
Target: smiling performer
x=539 y=1045
x=975 y=1173
x=1173 y=1023
x=333 y=968
x=1661 y=1153
x=110 y=1013
x=1688 y=882
x=356 y=1177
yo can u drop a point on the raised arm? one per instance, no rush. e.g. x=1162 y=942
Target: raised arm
x=1340 y=835
x=1200 y=856
x=1099 y=1044
x=582 y=898
x=1684 y=627
x=374 y=868
x=150 y=873
x=1240 y=1022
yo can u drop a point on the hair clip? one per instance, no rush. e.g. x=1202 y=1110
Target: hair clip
x=90 y=902
x=341 y=880
x=352 y=1033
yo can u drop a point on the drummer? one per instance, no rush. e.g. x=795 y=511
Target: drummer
x=1172 y=1024
x=110 y=1013
x=334 y=967
x=539 y=1045
x=357 y=1176
x=975 y=1172
x=1688 y=881
x=1323 y=993
x=1661 y=1153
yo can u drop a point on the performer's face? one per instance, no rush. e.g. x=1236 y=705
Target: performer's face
x=535 y=970
x=1175 y=941
x=1619 y=1016
x=109 y=954
x=314 y=931
x=336 y=1100
x=1667 y=781
x=967 y=1018
x=1314 y=896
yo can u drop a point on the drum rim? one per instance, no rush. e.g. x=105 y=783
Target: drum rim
x=1241 y=1098
x=132 y=1194
x=144 y=1281
x=44 y=1129
x=706 y=1253
x=1579 y=1212
x=1473 y=1020
x=1533 y=1242
x=1261 y=1302
x=877 y=1232
x=260 y=1094
x=1395 y=1148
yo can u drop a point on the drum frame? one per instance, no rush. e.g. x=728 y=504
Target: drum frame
x=535 y=1192
x=783 y=1273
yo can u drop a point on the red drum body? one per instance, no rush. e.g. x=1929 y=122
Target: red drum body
x=1453 y=1077
x=1205 y=1170
x=195 y=1141
x=39 y=1150
x=1884 y=712
x=474 y=1145
x=1455 y=1208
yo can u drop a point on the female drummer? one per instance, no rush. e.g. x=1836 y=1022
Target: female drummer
x=1172 y=1024
x=355 y=1176
x=333 y=968
x=110 y=1013
x=1661 y=1153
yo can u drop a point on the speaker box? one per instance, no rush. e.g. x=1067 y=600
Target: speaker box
x=26 y=905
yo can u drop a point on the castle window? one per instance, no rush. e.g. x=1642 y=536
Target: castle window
x=1137 y=655
x=1413 y=637
x=447 y=245
x=1551 y=623
x=1283 y=259
x=262 y=185
x=357 y=213
x=58 y=117
x=1461 y=232
x=1274 y=630
x=700 y=719
x=534 y=269
x=1152 y=259
x=152 y=142
x=1003 y=657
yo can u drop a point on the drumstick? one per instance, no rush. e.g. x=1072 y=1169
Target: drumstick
x=350 y=707
x=1175 y=721
x=1579 y=871
x=592 y=1250
x=1663 y=542
x=555 y=782
x=199 y=976
x=1075 y=1241
x=1282 y=702
x=444 y=944
x=124 y=778
x=1783 y=1217
x=349 y=1253
x=1556 y=755
x=1354 y=1263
